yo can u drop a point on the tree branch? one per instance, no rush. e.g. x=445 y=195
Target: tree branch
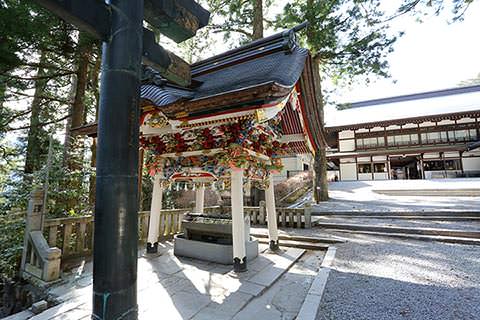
x=40 y=124
x=55 y=75
x=42 y=97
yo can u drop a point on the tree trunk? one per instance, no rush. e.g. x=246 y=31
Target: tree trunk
x=320 y=166
x=77 y=117
x=93 y=147
x=32 y=157
x=257 y=19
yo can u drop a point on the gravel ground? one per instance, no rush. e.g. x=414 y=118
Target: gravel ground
x=383 y=278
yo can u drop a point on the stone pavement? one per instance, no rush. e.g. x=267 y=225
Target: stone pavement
x=351 y=196
x=184 y=288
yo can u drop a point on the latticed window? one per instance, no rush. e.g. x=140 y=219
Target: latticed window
x=379 y=167
x=365 y=168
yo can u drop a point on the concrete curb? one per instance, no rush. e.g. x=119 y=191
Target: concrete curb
x=310 y=306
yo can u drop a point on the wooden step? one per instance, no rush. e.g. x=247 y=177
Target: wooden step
x=409 y=230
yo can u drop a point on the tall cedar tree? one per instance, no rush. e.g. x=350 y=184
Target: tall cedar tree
x=244 y=18
x=347 y=39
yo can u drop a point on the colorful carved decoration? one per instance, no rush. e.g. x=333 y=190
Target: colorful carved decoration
x=243 y=144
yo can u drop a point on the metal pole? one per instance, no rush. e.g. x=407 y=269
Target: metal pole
x=116 y=205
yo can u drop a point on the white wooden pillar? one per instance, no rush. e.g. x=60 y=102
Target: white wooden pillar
x=155 y=207
x=271 y=214
x=199 y=199
x=238 y=224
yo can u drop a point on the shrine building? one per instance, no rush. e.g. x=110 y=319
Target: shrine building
x=418 y=136
x=245 y=110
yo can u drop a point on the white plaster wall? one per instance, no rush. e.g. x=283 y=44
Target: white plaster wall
x=346 y=145
x=471 y=164
x=455 y=154
x=348 y=171
x=293 y=164
x=364 y=176
x=427 y=124
x=466 y=120
x=379 y=158
x=363 y=159
x=380 y=176
x=431 y=156
x=346 y=134
x=446 y=121
x=347 y=160
x=409 y=125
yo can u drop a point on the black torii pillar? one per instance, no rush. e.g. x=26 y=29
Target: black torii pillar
x=116 y=205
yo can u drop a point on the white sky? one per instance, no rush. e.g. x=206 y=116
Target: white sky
x=431 y=55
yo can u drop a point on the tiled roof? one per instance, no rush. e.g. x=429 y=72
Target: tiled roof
x=274 y=60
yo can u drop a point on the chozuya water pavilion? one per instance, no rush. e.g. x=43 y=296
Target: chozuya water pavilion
x=244 y=110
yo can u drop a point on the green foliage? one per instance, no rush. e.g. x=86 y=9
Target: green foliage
x=12 y=227
x=470 y=82
x=348 y=38
x=425 y=7
x=292 y=189
x=234 y=18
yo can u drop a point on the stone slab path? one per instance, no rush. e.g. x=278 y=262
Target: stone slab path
x=285 y=298
x=184 y=288
x=351 y=196
x=383 y=278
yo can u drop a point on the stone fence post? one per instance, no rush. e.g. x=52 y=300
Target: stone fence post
x=262 y=211
x=39 y=261
x=308 y=215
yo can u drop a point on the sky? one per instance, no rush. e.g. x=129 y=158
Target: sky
x=431 y=55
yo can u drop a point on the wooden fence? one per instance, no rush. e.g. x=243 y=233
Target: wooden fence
x=74 y=235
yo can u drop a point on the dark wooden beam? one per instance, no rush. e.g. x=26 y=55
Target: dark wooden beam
x=86 y=130
x=177 y=19
x=170 y=66
x=92 y=16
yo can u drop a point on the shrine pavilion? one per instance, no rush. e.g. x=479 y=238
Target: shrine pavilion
x=425 y=135
x=245 y=109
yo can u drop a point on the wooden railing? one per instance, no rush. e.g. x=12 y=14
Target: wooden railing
x=74 y=235
x=286 y=217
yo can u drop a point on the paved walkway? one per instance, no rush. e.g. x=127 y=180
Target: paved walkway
x=182 y=288
x=360 y=196
x=384 y=278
